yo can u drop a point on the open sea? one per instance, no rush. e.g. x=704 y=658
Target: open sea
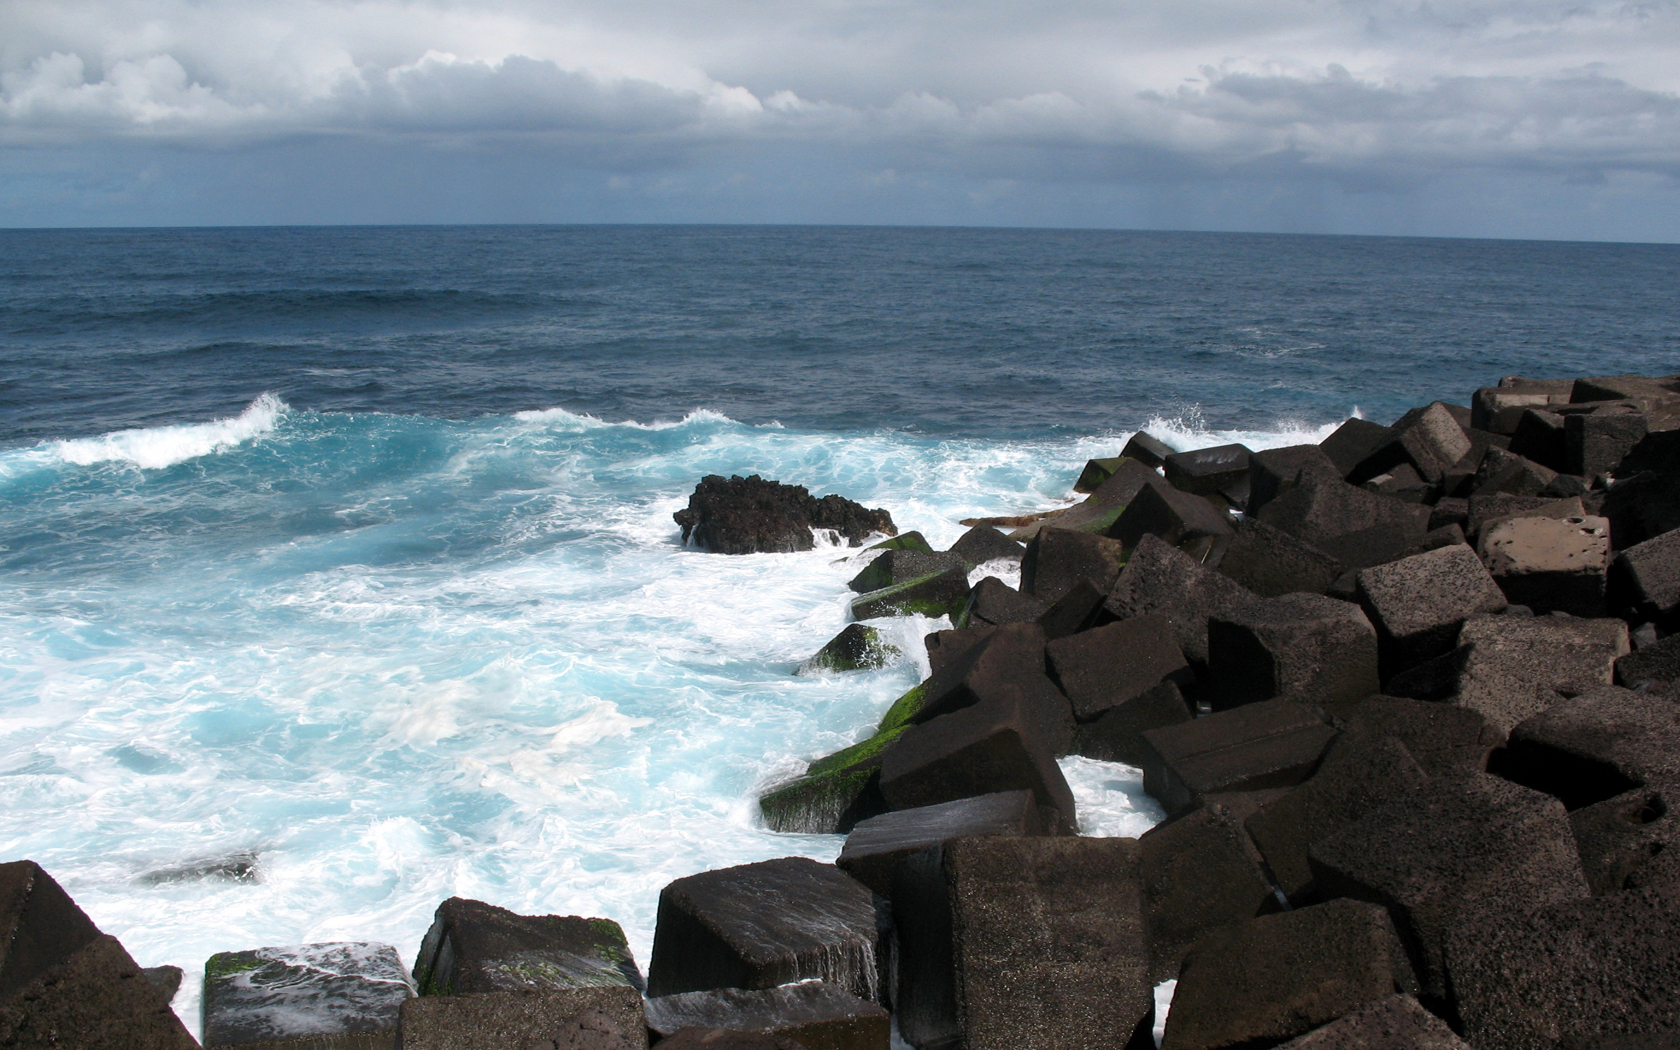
x=337 y=568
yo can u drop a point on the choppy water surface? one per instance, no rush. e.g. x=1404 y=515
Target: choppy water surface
x=337 y=569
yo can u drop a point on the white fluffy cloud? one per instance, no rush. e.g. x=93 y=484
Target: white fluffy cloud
x=1360 y=88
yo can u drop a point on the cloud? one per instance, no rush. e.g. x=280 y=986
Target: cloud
x=1362 y=89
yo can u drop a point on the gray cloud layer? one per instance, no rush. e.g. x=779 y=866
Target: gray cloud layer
x=1368 y=92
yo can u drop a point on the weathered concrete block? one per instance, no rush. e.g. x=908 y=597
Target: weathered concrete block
x=1471 y=842
x=1182 y=519
x=341 y=996
x=836 y=791
x=982 y=544
x=1620 y=836
x=1117 y=734
x=1488 y=511
x=943 y=647
x=1657 y=662
x=1419 y=603
x=1362 y=771
x=1539 y=436
x=1150 y=451
x=1107 y=666
x=1280 y=976
x=1056 y=558
x=63 y=983
x=1007 y=666
x=1270 y=562
x=1161 y=579
x=1273 y=470
x=875 y=846
x=856 y=648
x=1077 y=610
x=1549 y=564
x=1023 y=944
x=1497 y=408
x=1444 y=740
x=1200 y=873
x=993 y=603
x=1302 y=646
x=816 y=1015
x=1353 y=442
x=1220 y=471
x=1397 y=1023
x=1595 y=442
x=1323 y=512
x=1096 y=472
x=1575 y=970
x=1503 y=472
x=477 y=947
x=1516 y=667
x=1403 y=483
x=166 y=979
x=693 y=1038
x=941 y=594
x=904 y=541
x=573 y=1019
x=894 y=566
x=1596 y=747
x=1274 y=743
x=985 y=748
x=1642 y=506
x=765 y=924
x=1647 y=575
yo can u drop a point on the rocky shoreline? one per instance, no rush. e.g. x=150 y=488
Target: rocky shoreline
x=1405 y=696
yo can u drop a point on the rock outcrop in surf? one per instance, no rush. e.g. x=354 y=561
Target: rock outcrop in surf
x=750 y=515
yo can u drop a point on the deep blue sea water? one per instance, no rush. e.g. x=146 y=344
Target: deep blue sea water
x=350 y=550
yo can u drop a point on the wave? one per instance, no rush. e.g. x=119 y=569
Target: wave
x=1188 y=430
x=153 y=448
x=584 y=421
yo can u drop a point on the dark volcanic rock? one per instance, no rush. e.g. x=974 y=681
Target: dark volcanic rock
x=1275 y=743
x=816 y=1015
x=1397 y=1023
x=477 y=947
x=1302 y=646
x=1217 y=472
x=1642 y=506
x=1353 y=442
x=1280 y=976
x=1471 y=844
x=943 y=647
x=1443 y=739
x=1006 y=666
x=1658 y=662
x=940 y=594
x=750 y=515
x=1647 y=576
x=1274 y=470
x=64 y=984
x=1151 y=452
x=1023 y=944
x=569 y=1019
x=1079 y=609
x=1199 y=873
x=1516 y=667
x=765 y=924
x=307 y=995
x=1346 y=521
x=876 y=845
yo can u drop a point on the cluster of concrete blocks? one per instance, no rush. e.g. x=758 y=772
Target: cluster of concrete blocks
x=1405 y=696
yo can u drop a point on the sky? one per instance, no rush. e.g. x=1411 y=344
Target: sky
x=1476 y=118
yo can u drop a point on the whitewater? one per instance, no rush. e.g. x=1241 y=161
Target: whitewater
x=298 y=676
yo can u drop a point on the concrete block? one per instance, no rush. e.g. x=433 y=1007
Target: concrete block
x=1302 y=646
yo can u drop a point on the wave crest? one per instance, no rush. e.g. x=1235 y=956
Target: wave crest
x=152 y=448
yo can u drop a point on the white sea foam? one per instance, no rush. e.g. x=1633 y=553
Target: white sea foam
x=156 y=447
x=400 y=659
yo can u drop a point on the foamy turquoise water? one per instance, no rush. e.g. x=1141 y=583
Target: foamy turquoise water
x=398 y=658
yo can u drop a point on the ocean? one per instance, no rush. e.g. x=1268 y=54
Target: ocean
x=337 y=568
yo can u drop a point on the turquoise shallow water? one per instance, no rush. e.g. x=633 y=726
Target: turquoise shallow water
x=345 y=557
